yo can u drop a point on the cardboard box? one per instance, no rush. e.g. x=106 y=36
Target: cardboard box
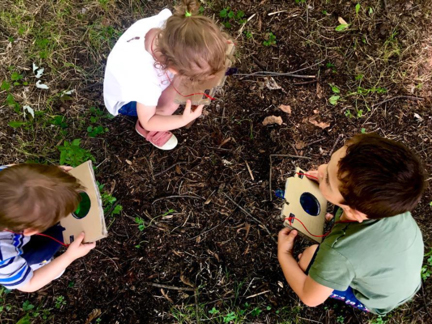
x=89 y=216
x=304 y=202
x=194 y=92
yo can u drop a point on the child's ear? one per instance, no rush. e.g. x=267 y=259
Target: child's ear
x=172 y=70
x=30 y=231
x=354 y=214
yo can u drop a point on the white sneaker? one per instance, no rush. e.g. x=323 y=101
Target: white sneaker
x=162 y=140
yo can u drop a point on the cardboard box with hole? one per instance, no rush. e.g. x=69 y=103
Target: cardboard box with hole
x=195 y=92
x=89 y=216
x=305 y=207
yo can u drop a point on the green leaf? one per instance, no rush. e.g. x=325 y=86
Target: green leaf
x=231 y=14
x=363 y=130
x=357 y=8
x=117 y=209
x=24 y=320
x=334 y=100
x=16 y=124
x=27 y=306
x=5 y=85
x=342 y=27
x=15 y=76
x=223 y=13
x=334 y=88
x=213 y=311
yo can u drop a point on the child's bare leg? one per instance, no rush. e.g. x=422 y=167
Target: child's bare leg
x=166 y=105
x=306 y=257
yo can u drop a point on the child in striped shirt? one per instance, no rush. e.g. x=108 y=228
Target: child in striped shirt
x=33 y=199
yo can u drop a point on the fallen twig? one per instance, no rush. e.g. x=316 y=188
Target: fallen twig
x=250 y=215
x=336 y=143
x=179 y=196
x=267 y=73
x=261 y=293
x=397 y=97
x=170 y=287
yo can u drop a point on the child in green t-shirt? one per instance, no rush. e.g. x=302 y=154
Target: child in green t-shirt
x=373 y=256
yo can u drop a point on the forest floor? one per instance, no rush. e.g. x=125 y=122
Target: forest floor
x=192 y=231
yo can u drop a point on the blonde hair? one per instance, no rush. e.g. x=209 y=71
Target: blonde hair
x=191 y=44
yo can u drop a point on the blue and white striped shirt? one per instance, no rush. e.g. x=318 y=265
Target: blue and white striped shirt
x=14 y=270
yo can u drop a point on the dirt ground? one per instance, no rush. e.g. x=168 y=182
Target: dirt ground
x=195 y=240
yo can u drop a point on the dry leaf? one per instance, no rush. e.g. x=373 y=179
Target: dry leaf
x=299 y=145
x=271 y=84
x=285 y=108
x=186 y=281
x=166 y=296
x=319 y=91
x=321 y=125
x=342 y=21
x=95 y=313
x=272 y=120
x=177 y=169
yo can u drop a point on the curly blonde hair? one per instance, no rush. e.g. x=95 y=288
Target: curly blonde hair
x=192 y=44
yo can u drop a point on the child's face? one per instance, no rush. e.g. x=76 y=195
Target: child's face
x=328 y=180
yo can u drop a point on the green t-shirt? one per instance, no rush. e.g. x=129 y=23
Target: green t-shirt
x=380 y=260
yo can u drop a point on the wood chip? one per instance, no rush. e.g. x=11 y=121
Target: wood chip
x=285 y=108
x=95 y=313
x=300 y=145
x=166 y=296
x=128 y=162
x=271 y=84
x=269 y=120
x=342 y=21
x=321 y=125
x=319 y=91
x=186 y=281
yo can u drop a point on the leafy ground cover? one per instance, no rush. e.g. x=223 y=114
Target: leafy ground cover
x=192 y=231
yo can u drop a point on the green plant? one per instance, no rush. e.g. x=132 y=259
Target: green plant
x=248 y=34
x=334 y=100
x=342 y=27
x=94 y=131
x=340 y=319
x=109 y=202
x=357 y=8
x=348 y=113
x=72 y=154
x=426 y=270
x=60 y=301
x=270 y=39
x=378 y=320
x=141 y=223
x=229 y=16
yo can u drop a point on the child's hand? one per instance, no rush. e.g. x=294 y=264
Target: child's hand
x=189 y=114
x=78 y=249
x=313 y=175
x=286 y=239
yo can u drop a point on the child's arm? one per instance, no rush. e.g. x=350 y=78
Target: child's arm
x=52 y=270
x=309 y=291
x=153 y=122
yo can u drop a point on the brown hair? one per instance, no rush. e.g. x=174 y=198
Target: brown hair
x=380 y=177
x=36 y=196
x=191 y=44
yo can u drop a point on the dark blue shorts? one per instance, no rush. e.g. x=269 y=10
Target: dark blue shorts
x=129 y=109
x=346 y=296
x=40 y=248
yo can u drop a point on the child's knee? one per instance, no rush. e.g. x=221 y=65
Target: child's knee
x=306 y=256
